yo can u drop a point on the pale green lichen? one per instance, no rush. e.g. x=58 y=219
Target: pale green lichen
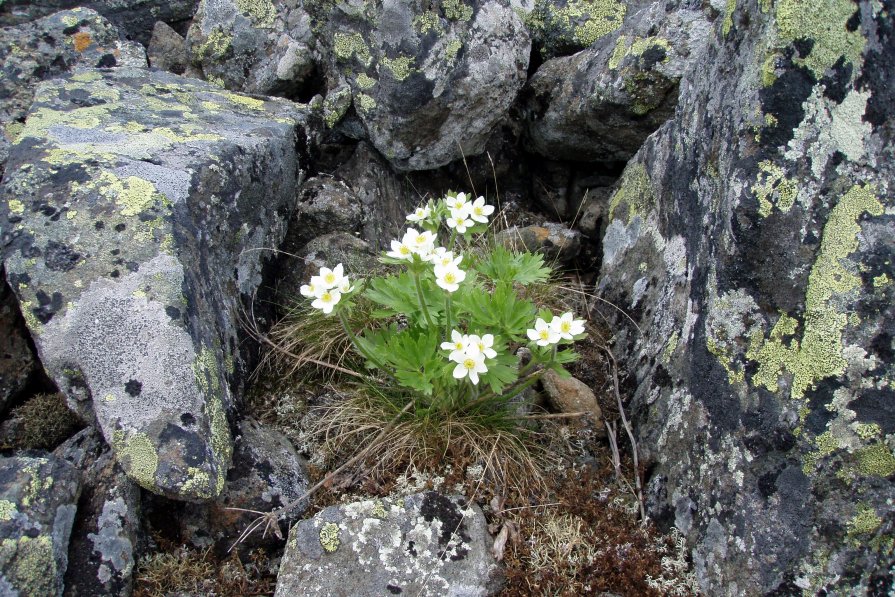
x=379 y=510
x=329 y=537
x=220 y=440
x=427 y=22
x=400 y=67
x=774 y=189
x=13 y=131
x=262 y=12
x=819 y=354
x=452 y=49
x=826 y=444
x=30 y=565
x=137 y=454
x=7 y=510
x=15 y=206
x=364 y=102
x=881 y=281
x=769 y=70
x=335 y=106
x=134 y=195
x=347 y=45
x=734 y=375
x=216 y=45
x=637 y=46
x=455 y=10
x=865 y=521
x=670 y=347
x=822 y=22
x=635 y=192
x=876 y=461
x=868 y=431
x=365 y=81
x=247 y=102
x=727 y=23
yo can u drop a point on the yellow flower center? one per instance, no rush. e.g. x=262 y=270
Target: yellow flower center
x=326 y=297
x=469 y=364
x=565 y=326
x=330 y=278
x=478 y=211
x=449 y=277
x=404 y=250
x=545 y=334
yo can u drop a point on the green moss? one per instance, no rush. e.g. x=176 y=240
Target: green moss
x=364 y=102
x=400 y=67
x=774 y=189
x=822 y=22
x=262 y=12
x=427 y=22
x=215 y=47
x=137 y=454
x=818 y=355
x=365 y=81
x=45 y=422
x=452 y=49
x=455 y=10
x=865 y=521
x=329 y=537
x=347 y=45
x=635 y=192
x=876 y=461
x=728 y=17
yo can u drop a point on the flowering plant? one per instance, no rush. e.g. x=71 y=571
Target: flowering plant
x=454 y=314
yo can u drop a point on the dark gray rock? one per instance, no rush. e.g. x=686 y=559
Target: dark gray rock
x=167 y=49
x=135 y=17
x=48 y=47
x=563 y=27
x=102 y=550
x=17 y=362
x=255 y=46
x=133 y=215
x=556 y=242
x=38 y=499
x=426 y=543
x=429 y=82
x=325 y=205
x=601 y=104
x=751 y=240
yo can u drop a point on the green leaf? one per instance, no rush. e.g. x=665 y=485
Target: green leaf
x=502 y=265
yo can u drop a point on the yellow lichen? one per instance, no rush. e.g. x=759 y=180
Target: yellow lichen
x=823 y=23
x=452 y=49
x=347 y=45
x=30 y=565
x=868 y=430
x=881 y=280
x=379 y=510
x=329 y=537
x=876 y=461
x=216 y=45
x=455 y=10
x=262 y=12
x=865 y=521
x=138 y=456
x=247 y=102
x=826 y=445
x=7 y=510
x=670 y=347
x=728 y=17
x=15 y=206
x=635 y=192
x=399 y=67
x=364 y=102
x=427 y=22
x=365 y=81
x=773 y=189
x=220 y=439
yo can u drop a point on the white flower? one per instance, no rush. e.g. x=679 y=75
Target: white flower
x=457 y=202
x=449 y=276
x=400 y=251
x=421 y=243
x=482 y=345
x=327 y=299
x=345 y=287
x=309 y=290
x=329 y=278
x=543 y=333
x=420 y=214
x=459 y=221
x=567 y=326
x=458 y=342
x=443 y=257
x=469 y=366
x=479 y=211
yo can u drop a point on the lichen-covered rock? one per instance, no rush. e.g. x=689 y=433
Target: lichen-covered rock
x=556 y=242
x=562 y=27
x=601 y=104
x=48 y=47
x=429 y=80
x=38 y=499
x=17 y=362
x=255 y=46
x=752 y=240
x=424 y=544
x=101 y=553
x=135 y=17
x=167 y=49
x=132 y=209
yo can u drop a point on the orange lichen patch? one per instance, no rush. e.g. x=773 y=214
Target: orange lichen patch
x=82 y=41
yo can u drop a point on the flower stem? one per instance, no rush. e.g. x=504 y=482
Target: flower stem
x=353 y=339
x=419 y=296
x=447 y=315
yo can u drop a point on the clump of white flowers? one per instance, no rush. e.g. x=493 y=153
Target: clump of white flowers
x=564 y=327
x=327 y=288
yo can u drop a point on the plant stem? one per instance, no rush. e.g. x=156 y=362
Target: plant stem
x=447 y=316
x=353 y=339
x=419 y=296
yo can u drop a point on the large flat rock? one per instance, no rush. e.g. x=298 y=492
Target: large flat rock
x=132 y=211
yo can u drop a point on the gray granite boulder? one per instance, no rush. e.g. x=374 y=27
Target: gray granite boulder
x=563 y=27
x=429 y=82
x=135 y=17
x=167 y=49
x=38 y=499
x=751 y=240
x=424 y=544
x=601 y=104
x=258 y=46
x=132 y=212
x=102 y=549
x=48 y=47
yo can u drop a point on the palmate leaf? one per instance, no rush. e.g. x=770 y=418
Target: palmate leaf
x=502 y=311
x=396 y=293
x=501 y=372
x=413 y=354
x=503 y=265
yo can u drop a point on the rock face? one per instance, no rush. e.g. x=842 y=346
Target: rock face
x=602 y=103
x=751 y=239
x=423 y=544
x=136 y=17
x=17 y=362
x=101 y=553
x=429 y=81
x=48 y=47
x=562 y=27
x=256 y=46
x=38 y=498
x=132 y=206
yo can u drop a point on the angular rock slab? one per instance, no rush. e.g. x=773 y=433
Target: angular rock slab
x=424 y=544
x=751 y=242
x=133 y=210
x=429 y=81
x=101 y=552
x=38 y=499
x=602 y=103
